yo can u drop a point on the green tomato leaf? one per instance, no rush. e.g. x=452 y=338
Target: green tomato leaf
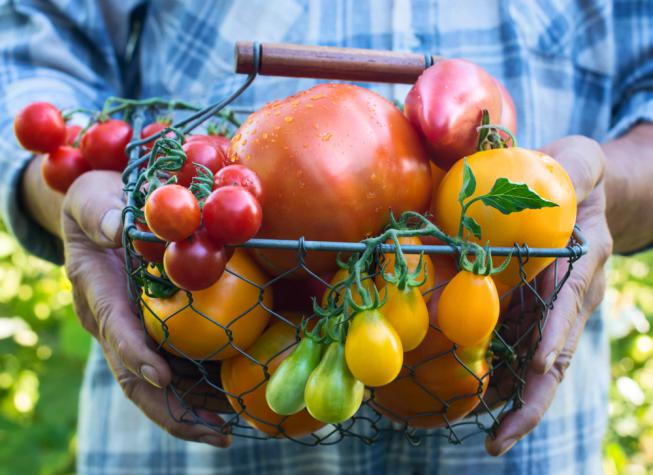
x=509 y=197
x=471 y=224
x=469 y=183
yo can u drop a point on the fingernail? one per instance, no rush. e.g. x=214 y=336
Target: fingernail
x=110 y=225
x=151 y=376
x=214 y=440
x=507 y=445
x=549 y=360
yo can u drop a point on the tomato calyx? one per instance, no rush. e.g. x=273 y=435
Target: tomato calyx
x=490 y=137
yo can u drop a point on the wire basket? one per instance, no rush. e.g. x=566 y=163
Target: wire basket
x=440 y=392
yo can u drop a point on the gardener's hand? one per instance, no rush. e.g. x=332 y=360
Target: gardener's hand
x=585 y=162
x=91 y=230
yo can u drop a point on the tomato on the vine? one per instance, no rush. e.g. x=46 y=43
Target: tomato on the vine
x=412 y=260
x=446 y=106
x=244 y=381
x=195 y=263
x=240 y=175
x=62 y=167
x=342 y=275
x=202 y=153
x=148 y=250
x=40 y=127
x=332 y=160
x=152 y=129
x=232 y=215
x=468 y=309
x=332 y=392
x=373 y=349
x=172 y=213
x=546 y=227
x=231 y=317
x=103 y=144
x=406 y=311
x=436 y=386
x=72 y=134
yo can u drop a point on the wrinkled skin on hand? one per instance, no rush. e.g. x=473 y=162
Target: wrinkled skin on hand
x=91 y=226
x=584 y=160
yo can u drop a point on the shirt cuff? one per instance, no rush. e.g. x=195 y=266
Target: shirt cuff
x=30 y=234
x=637 y=108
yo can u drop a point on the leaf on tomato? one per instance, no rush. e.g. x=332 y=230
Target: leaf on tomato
x=471 y=224
x=469 y=183
x=509 y=197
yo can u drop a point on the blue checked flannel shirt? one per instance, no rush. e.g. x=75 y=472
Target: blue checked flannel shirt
x=572 y=66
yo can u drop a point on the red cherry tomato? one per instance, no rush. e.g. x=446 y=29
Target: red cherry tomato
x=172 y=213
x=39 y=127
x=446 y=105
x=195 y=263
x=72 y=132
x=103 y=145
x=202 y=153
x=150 y=251
x=62 y=167
x=240 y=175
x=153 y=129
x=221 y=142
x=232 y=215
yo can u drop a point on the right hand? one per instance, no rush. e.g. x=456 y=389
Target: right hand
x=92 y=227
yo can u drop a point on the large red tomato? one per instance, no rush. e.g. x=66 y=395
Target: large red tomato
x=333 y=161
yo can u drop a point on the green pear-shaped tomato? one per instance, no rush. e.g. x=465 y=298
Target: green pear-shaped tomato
x=332 y=393
x=285 y=390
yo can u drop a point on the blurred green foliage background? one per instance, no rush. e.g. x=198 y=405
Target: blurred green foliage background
x=43 y=349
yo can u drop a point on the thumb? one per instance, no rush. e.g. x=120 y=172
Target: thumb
x=95 y=202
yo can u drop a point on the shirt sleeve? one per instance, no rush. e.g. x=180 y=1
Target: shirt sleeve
x=58 y=52
x=633 y=85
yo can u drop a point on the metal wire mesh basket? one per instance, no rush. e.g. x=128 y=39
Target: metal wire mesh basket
x=442 y=390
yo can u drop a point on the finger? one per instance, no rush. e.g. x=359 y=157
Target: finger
x=99 y=281
x=539 y=392
x=166 y=411
x=573 y=298
x=95 y=202
x=583 y=159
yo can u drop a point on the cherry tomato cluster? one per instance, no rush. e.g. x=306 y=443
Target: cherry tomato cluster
x=197 y=231
x=40 y=128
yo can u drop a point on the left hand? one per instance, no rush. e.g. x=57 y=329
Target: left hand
x=584 y=160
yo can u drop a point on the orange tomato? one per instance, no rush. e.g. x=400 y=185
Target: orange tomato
x=229 y=304
x=468 y=309
x=244 y=378
x=546 y=227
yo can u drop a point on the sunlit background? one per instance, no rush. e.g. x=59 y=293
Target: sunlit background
x=43 y=349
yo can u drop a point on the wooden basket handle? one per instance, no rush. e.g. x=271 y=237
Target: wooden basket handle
x=323 y=62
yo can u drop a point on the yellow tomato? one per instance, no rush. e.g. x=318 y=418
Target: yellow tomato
x=408 y=314
x=373 y=349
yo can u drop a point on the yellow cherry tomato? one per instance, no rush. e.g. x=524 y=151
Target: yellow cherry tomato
x=408 y=314
x=373 y=349
x=412 y=260
x=468 y=309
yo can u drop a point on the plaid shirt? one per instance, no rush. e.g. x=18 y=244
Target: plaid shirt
x=573 y=67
